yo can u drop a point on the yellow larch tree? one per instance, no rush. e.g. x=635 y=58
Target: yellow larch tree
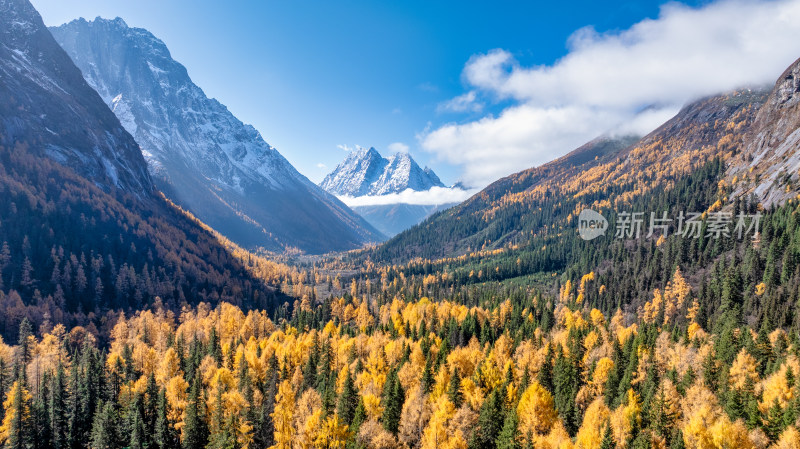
x=435 y=435
x=595 y=421
x=282 y=416
x=536 y=411
x=743 y=371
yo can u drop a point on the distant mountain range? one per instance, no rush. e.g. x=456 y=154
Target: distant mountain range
x=199 y=154
x=365 y=172
x=392 y=219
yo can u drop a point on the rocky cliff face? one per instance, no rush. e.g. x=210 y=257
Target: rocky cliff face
x=199 y=154
x=48 y=109
x=769 y=159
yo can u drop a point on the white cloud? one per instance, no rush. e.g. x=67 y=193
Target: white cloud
x=433 y=197
x=398 y=147
x=627 y=81
x=345 y=147
x=463 y=103
x=321 y=165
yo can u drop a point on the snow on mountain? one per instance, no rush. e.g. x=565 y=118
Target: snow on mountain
x=199 y=154
x=365 y=172
x=167 y=113
x=47 y=108
x=392 y=194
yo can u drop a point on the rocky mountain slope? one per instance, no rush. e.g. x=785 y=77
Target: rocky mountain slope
x=49 y=110
x=82 y=231
x=200 y=155
x=768 y=163
x=365 y=172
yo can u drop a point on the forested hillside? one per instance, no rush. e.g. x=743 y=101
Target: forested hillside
x=70 y=252
x=536 y=207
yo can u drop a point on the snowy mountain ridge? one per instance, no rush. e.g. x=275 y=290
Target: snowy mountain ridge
x=183 y=122
x=199 y=154
x=47 y=107
x=365 y=172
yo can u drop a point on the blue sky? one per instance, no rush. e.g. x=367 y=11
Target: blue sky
x=313 y=76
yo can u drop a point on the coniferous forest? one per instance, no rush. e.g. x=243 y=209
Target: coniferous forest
x=126 y=321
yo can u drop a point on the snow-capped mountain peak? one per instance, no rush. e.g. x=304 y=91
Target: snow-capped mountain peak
x=365 y=172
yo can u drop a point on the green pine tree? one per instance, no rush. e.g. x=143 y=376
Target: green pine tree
x=359 y=417
x=774 y=425
x=454 y=389
x=507 y=439
x=608 y=439
x=105 y=428
x=59 y=427
x=394 y=396
x=164 y=436
x=490 y=421
x=348 y=400
x=221 y=435
x=195 y=429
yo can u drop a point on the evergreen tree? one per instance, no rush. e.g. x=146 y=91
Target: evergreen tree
x=221 y=435
x=394 y=396
x=774 y=425
x=507 y=439
x=454 y=389
x=677 y=440
x=25 y=347
x=105 y=428
x=329 y=394
x=150 y=410
x=136 y=428
x=490 y=421
x=195 y=429
x=42 y=437
x=359 y=417
x=5 y=378
x=164 y=435
x=59 y=425
x=545 y=376
x=565 y=383
x=264 y=430
x=427 y=375
x=79 y=424
x=348 y=400
x=608 y=439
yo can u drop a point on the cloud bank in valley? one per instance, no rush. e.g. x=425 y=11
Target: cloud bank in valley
x=434 y=197
x=628 y=81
